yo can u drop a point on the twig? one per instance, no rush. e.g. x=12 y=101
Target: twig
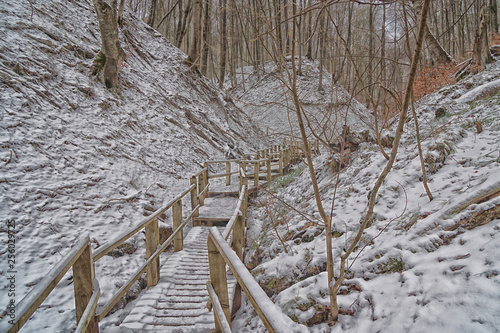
x=32 y=10
x=123 y=199
x=10 y=158
x=292 y=208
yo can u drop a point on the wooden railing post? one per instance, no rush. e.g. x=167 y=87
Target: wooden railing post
x=256 y=171
x=280 y=163
x=244 y=205
x=237 y=245
x=177 y=220
x=152 y=240
x=204 y=181
x=83 y=278
x=228 y=170
x=218 y=279
x=194 y=196
x=242 y=166
x=268 y=164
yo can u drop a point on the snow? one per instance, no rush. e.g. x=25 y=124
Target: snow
x=77 y=159
x=413 y=275
x=482 y=89
x=260 y=93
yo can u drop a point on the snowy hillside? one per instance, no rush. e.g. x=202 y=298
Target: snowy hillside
x=77 y=159
x=263 y=95
x=423 y=266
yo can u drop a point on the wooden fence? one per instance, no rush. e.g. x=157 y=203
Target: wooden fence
x=81 y=258
x=222 y=253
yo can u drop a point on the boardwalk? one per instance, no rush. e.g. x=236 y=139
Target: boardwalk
x=178 y=302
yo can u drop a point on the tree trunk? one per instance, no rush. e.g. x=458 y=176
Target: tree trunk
x=494 y=16
x=111 y=53
x=206 y=36
x=482 y=53
x=438 y=54
x=399 y=131
x=194 y=52
x=223 y=43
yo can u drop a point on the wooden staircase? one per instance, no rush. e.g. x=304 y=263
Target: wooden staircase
x=178 y=303
x=198 y=276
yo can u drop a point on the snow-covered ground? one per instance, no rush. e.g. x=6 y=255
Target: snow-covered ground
x=76 y=159
x=263 y=94
x=423 y=268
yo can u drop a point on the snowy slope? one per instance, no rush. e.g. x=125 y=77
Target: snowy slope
x=263 y=94
x=428 y=266
x=76 y=159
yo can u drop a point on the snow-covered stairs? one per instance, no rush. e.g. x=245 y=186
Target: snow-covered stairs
x=178 y=302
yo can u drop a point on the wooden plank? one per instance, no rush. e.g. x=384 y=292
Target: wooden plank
x=194 y=194
x=228 y=170
x=268 y=165
x=212 y=194
x=220 y=175
x=253 y=291
x=224 y=161
x=177 y=220
x=256 y=171
x=280 y=164
x=204 y=176
x=152 y=240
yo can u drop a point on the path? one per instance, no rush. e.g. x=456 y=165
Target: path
x=178 y=302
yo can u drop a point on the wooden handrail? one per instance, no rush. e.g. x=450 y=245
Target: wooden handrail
x=103 y=250
x=230 y=224
x=86 y=287
x=41 y=291
x=223 y=161
x=89 y=313
x=220 y=175
x=104 y=309
x=219 y=313
x=271 y=315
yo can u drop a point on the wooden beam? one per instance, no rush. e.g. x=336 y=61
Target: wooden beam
x=83 y=278
x=194 y=195
x=152 y=240
x=228 y=171
x=176 y=222
x=218 y=278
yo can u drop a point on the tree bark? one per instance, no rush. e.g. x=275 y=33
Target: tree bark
x=223 y=43
x=112 y=53
x=438 y=54
x=482 y=53
x=194 y=52
x=206 y=37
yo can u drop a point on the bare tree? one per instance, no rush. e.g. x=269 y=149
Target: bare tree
x=110 y=58
x=482 y=53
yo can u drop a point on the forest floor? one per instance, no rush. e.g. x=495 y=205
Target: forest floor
x=422 y=266
x=77 y=160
